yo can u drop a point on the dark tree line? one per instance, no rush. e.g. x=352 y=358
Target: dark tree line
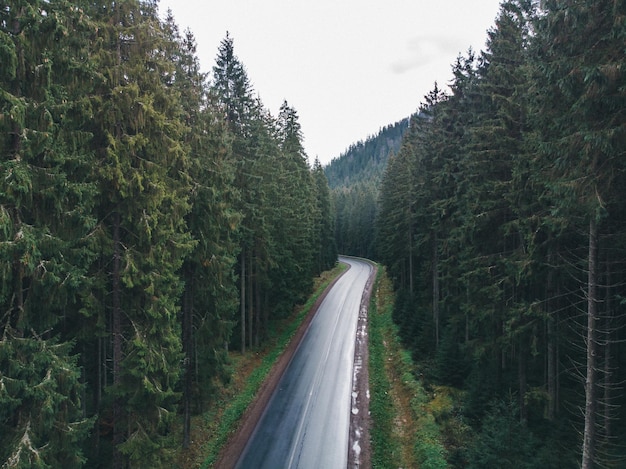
x=501 y=221
x=354 y=179
x=151 y=217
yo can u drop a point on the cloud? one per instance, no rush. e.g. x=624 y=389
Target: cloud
x=423 y=50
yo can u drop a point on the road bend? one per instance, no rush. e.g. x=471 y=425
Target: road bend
x=307 y=420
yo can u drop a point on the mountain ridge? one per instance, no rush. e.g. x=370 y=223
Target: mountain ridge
x=366 y=159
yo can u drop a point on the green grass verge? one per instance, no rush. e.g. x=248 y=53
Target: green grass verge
x=385 y=448
x=240 y=402
x=424 y=445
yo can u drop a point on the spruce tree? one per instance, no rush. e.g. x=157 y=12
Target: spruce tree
x=395 y=230
x=582 y=64
x=46 y=222
x=210 y=294
x=233 y=93
x=326 y=252
x=500 y=202
x=293 y=227
x=144 y=187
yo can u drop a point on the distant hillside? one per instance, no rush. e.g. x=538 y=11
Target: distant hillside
x=354 y=179
x=366 y=161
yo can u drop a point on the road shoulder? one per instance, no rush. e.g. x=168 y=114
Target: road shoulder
x=359 y=448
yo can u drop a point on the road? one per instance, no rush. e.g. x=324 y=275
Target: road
x=306 y=422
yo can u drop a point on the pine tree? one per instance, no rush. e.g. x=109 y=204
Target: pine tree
x=581 y=47
x=326 y=255
x=395 y=230
x=232 y=86
x=233 y=93
x=142 y=172
x=497 y=170
x=210 y=295
x=46 y=201
x=293 y=226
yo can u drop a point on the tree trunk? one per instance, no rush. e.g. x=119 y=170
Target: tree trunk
x=435 y=272
x=589 y=436
x=551 y=348
x=467 y=316
x=243 y=300
x=410 y=260
x=551 y=371
x=18 y=310
x=249 y=292
x=118 y=430
x=188 y=360
x=521 y=373
x=608 y=375
x=257 y=300
x=101 y=380
x=118 y=426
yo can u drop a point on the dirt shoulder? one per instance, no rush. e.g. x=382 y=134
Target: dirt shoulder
x=359 y=448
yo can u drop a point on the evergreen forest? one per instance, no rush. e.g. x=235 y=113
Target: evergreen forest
x=501 y=222
x=354 y=179
x=152 y=218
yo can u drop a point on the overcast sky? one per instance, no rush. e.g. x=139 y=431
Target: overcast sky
x=348 y=67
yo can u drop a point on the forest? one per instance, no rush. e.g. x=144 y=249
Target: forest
x=152 y=218
x=501 y=222
x=354 y=179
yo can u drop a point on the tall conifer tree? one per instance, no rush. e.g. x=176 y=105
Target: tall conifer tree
x=581 y=47
x=326 y=251
x=233 y=92
x=294 y=229
x=210 y=295
x=143 y=203
x=46 y=203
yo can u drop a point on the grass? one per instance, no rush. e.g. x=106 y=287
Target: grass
x=406 y=431
x=386 y=449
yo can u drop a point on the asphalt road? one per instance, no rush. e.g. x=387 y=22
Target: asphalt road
x=306 y=422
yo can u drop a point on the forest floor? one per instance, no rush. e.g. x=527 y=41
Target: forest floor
x=394 y=430
x=415 y=423
x=405 y=428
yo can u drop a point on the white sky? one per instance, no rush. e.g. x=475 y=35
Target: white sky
x=348 y=67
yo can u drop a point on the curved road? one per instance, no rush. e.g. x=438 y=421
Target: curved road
x=306 y=423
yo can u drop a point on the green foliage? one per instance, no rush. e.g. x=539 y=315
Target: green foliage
x=450 y=361
x=430 y=452
x=354 y=179
x=285 y=211
x=489 y=218
x=41 y=419
x=384 y=447
x=46 y=218
x=366 y=160
x=503 y=442
x=325 y=236
x=130 y=192
x=142 y=204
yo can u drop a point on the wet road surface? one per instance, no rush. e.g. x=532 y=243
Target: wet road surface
x=306 y=422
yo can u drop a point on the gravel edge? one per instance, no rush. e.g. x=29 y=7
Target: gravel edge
x=359 y=446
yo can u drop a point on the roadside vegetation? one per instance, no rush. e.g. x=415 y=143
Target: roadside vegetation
x=152 y=217
x=501 y=223
x=408 y=420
